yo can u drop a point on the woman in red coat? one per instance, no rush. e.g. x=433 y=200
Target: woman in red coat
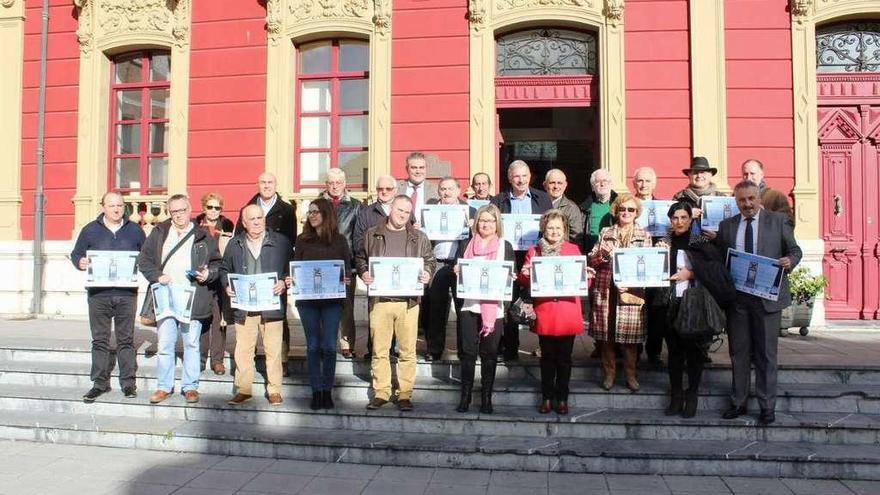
x=557 y=320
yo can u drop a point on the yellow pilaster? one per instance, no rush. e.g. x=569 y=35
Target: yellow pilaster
x=12 y=61
x=708 y=85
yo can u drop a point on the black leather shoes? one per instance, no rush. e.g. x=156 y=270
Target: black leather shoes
x=428 y=358
x=734 y=412
x=766 y=418
x=130 y=392
x=93 y=394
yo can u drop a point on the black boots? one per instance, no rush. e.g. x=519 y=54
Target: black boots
x=327 y=400
x=676 y=403
x=487 y=381
x=316 y=401
x=690 y=403
x=486 y=401
x=465 y=402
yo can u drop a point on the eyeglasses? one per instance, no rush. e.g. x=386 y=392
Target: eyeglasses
x=628 y=209
x=215 y=208
x=313 y=212
x=490 y=220
x=385 y=188
x=179 y=212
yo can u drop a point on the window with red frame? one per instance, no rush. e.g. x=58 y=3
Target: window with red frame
x=332 y=111
x=140 y=94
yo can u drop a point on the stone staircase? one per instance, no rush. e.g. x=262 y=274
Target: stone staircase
x=828 y=420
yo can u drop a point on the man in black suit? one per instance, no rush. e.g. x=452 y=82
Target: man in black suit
x=753 y=322
x=519 y=198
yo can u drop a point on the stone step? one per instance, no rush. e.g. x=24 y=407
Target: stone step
x=527 y=366
x=509 y=452
x=445 y=390
x=630 y=424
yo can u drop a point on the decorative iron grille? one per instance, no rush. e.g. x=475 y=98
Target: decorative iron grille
x=852 y=47
x=542 y=52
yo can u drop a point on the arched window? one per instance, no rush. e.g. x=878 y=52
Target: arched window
x=546 y=52
x=332 y=111
x=849 y=47
x=140 y=95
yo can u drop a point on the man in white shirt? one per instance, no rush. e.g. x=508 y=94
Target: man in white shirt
x=415 y=186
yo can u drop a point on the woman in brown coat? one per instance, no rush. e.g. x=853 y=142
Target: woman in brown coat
x=618 y=315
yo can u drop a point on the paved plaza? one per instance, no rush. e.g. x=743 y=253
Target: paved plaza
x=49 y=469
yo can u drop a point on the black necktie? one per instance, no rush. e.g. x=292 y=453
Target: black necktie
x=749 y=237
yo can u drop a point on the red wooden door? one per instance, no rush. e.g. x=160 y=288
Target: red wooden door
x=848 y=151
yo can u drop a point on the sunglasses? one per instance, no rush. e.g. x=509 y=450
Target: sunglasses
x=627 y=209
x=215 y=208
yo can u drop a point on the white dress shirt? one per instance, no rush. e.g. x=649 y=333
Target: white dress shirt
x=420 y=200
x=741 y=233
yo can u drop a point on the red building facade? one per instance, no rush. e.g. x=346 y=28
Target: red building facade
x=154 y=97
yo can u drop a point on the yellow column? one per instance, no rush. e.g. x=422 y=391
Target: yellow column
x=708 y=86
x=12 y=61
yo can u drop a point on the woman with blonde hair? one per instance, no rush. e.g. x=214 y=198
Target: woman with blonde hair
x=618 y=315
x=481 y=323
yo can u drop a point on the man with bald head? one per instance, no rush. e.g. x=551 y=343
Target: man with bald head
x=555 y=183
x=521 y=198
x=111 y=231
x=771 y=199
x=280 y=217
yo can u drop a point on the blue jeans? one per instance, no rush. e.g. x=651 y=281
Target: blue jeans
x=168 y=330
x=320 y=323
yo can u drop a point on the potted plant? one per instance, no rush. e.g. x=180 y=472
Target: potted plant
x=804 y=287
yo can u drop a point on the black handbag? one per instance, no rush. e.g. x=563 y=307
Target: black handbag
x=148 y=310
x=522 y=311
x=699 y=315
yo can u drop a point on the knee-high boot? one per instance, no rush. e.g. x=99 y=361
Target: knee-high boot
x=467 y=385
x=487 y=379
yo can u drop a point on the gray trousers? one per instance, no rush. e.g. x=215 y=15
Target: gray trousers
x=753 y=333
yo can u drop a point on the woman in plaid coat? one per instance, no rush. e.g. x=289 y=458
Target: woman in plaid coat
x=618 y=315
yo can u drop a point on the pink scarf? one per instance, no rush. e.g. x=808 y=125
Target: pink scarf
x=488 y=309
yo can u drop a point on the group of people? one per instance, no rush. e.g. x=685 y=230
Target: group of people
x=201 y=252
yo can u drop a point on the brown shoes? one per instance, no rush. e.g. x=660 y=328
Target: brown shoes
x=218 y=369
x=239 y=399
x=275 y=399
x=192 y=396
x=158 y=396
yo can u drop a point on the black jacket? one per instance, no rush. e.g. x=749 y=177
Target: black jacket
x=281 y=218
x=540 y=201
x=275 y=256
x=204 y=252
x=223 y=224
x=369 y=216
x=97 y=237
x=586 y=209
x=346 y=216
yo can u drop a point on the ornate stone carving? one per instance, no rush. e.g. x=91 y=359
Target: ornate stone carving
x=133 y=15
x=516 y=4
x=7 y=3
x=84 y=29
x=477 y=14
x=382 y=17
x=614 y=11
x=800 y=8
x=274 y=23
x=317 y=9
x=180 y=31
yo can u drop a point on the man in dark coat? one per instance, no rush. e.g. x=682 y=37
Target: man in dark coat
x=256 y=251
x=281 y=218
x=771 y=199
x=524 y=199
x=347 y=209
x=753 y=322
x=180 y=253
x=111 y=231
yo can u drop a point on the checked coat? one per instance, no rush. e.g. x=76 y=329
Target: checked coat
x=629 y=320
